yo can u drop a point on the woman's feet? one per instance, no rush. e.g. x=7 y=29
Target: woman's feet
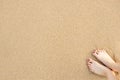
x=99 y=69
x=102 y=56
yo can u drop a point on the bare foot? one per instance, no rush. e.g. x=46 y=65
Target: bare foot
x=99 y=69
x=106 y=59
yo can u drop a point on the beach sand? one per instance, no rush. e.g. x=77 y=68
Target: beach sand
x=51 y=39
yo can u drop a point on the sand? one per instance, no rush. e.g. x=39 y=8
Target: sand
x=51 y=39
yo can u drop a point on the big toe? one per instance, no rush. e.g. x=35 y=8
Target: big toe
x=90 y=61
x=95 y=53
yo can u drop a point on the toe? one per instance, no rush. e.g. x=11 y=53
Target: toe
x=90 y=61
x=95 y=53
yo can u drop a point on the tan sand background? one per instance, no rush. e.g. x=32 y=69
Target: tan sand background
x=51 y=39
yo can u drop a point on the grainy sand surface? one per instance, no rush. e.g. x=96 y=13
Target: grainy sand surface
x=51 y=39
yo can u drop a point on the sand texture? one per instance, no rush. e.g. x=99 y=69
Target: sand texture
x=51 y=39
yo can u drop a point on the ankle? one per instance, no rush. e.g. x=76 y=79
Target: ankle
x=110 y=75
x=115 y=67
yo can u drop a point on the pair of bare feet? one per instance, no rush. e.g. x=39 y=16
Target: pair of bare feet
x=108 y=69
